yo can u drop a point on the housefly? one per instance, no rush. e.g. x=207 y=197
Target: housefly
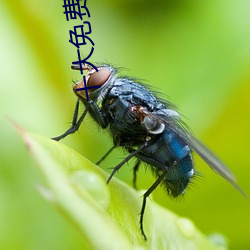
x=149 y=128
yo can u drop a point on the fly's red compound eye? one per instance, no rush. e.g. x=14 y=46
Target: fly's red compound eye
x=98 y=78
x=94 y=80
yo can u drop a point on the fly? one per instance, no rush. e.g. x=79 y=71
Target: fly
x=149 y=128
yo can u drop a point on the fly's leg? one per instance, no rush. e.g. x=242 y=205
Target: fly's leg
x=136 y=167
x=75 y=124
x=145 y=196
x=124 y=161
x=97 y=113
x=105 y=155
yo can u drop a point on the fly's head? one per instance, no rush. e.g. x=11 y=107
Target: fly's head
x=96 y=82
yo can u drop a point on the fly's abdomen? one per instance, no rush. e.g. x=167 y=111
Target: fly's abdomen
x=168 y=154
x=180 y=165
x=178 y=176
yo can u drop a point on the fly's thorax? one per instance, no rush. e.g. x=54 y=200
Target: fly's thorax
x=97 y=83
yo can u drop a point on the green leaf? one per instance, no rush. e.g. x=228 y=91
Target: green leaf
x=107 y=215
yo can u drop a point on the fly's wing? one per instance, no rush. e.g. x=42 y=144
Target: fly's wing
x=212 y=160
x=175 y=124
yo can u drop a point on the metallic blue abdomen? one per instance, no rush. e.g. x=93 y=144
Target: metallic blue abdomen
x=170 y=154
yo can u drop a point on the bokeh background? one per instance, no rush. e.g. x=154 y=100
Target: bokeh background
x=195 y=52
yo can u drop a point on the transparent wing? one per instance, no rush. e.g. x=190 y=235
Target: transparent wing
x=208 y=156
x=175 y=124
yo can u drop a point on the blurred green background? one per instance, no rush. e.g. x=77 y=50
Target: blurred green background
x=195 y=52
